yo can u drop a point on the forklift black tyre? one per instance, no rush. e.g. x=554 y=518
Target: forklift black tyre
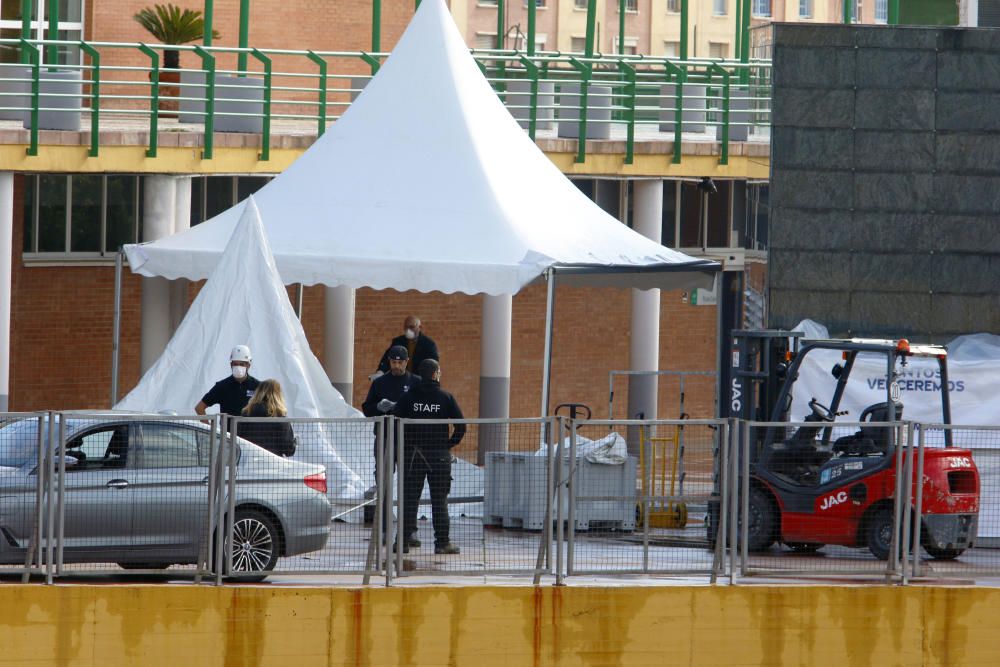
x=943 y=554
x=804 y=547
x=763 y=521
x=879 y=533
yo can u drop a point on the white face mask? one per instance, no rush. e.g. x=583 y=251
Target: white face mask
x=410 y=334
x=239 y=372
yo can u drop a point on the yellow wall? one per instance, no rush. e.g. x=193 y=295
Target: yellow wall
x=483 y=626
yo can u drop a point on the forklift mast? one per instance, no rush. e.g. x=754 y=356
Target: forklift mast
x=758 y=364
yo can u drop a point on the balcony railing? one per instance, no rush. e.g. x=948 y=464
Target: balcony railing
x=626 y=98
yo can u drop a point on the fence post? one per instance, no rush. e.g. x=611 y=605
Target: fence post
x=399 y=526
x=892 y=563
x=322 y=91
x=95 y=97
x=154 y=98
x=208 y=64
x=918 y=506
x=735 y=431
x=743 y=489
x=648 y=462
x=571 y=493
x=558 y=433
x=36 y=58
x=721 y=529
x=907 y=507
x=377 y=535
x=265 y=139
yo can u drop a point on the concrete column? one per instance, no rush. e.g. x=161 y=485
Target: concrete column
x=6 y=249
x=494 y=373
x=157 y=222
x=644 y=347
x=182 y=222
x=968 y=13
x=338 y=343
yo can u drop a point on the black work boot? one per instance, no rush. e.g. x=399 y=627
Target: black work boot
x=448 y=548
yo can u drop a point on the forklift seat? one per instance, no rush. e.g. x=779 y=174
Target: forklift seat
x=870 y=440
x=879 y=412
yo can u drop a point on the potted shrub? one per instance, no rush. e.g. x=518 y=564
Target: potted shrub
x=169 y=24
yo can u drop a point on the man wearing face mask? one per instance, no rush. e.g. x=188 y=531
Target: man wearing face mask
x=233 y=393
x=418 y=347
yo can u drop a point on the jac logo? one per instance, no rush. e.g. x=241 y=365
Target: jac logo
x=835 y=499
x=737 y=396
x=960 y=462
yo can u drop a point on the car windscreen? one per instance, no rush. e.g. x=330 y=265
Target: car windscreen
x=19 y=443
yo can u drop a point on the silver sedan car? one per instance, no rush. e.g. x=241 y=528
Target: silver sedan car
x=136 y=494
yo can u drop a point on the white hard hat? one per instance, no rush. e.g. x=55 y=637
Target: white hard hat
x=240 y=353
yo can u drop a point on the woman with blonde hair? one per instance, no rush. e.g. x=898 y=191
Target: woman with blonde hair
x=275 y=437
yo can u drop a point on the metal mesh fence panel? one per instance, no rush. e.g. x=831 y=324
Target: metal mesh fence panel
x=24 y=445
x=820 y=498
x=303 y=499
x=129 y=492
x=957 y=502
x=639 y=495
x=458 y=518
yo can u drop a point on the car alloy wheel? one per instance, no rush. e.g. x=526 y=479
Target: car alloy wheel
x=255 y=543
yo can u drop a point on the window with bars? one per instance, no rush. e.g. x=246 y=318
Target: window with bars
x=881 y=11
x=70 y=28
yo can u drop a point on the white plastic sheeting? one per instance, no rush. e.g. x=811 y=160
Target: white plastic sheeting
x=244 y=302
x=609 y=450
x=428 y=183
x=973 y=369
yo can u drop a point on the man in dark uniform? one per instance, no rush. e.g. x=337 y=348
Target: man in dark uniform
x=233 y=393
x=427 y=452
x=382 y=397
x=418 y=347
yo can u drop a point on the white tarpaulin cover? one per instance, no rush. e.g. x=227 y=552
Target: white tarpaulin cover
x=428 y=183
x=244 y=303
x=973 y=369
x=609 y=450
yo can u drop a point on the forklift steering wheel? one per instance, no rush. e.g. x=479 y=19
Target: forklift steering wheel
x=821 y=412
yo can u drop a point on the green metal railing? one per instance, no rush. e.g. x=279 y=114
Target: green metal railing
x=123 y=86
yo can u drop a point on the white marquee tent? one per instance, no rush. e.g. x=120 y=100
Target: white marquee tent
x=244 y=302
x=428 y=183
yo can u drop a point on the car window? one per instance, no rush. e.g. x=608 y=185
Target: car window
x=170 y=446
x=99 y=448
x=19 y=442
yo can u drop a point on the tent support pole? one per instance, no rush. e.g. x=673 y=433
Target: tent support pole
x=116 y=327
x=299 y=296
x=550 y=299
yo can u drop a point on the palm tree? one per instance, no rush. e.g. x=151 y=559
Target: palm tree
x=172 y=25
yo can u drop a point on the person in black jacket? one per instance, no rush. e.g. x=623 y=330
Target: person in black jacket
x=418 y=347
x=427 y=452
x=276 y=437
x=382 y=397
x=233 y=393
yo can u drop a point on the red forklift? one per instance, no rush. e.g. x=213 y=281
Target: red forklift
x=812 y=483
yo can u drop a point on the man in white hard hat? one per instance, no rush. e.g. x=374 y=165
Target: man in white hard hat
x=233 y=393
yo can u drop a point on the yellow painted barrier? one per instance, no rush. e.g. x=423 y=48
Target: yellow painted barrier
x=186 y=626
